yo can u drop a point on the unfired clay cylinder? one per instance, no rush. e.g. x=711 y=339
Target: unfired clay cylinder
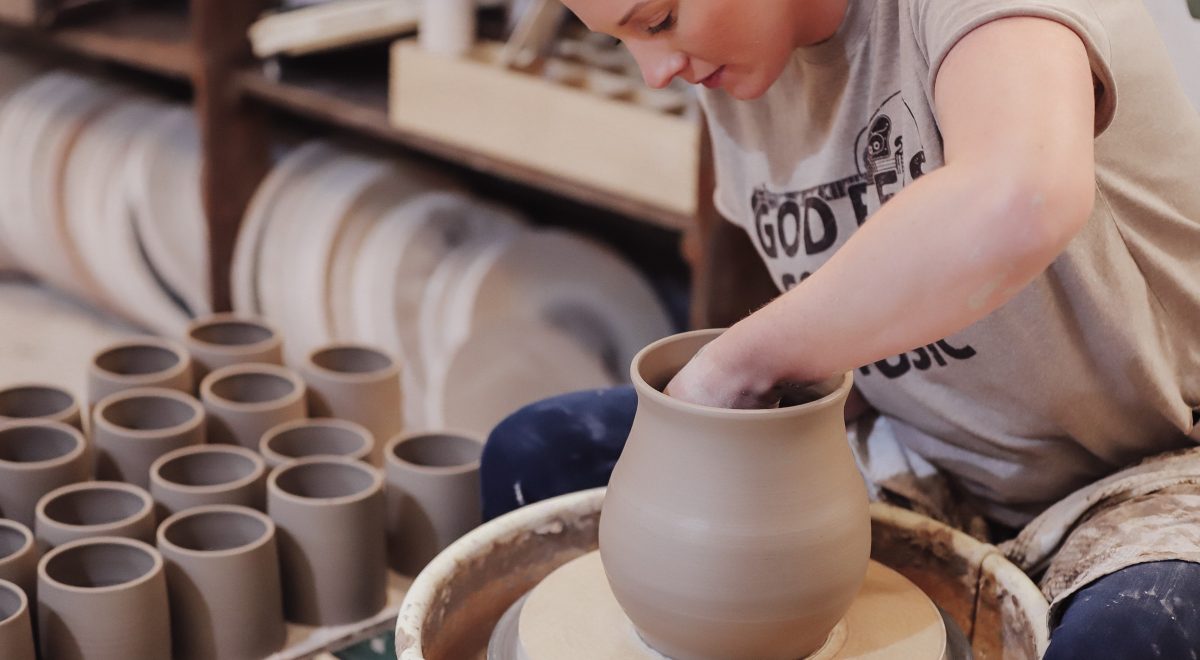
x=132 y=428
x=432 y=495
x=16 y=630
x=206 y=475
x=103 y=599
x=221 y=340
x=244 y=401
x=357 y=383
x=734 y=533
x=315 y=437
x=138 y=362
x=223 y=579
x=18 y=555
x=35 y=458
x=94 y=508
x=46 y=402
x=330 y=518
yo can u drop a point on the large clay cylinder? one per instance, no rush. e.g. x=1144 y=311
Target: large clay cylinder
x=734 y=533
x=356 y=383
x=223 y=579
x=204 y=475
x=132 y=428
x=103 y=599
x=18 y=555
x=316 y=437
x=37 y=401
x=244 y=401
x=16 y=629
x=138 y=362
x=432 y=495
x=35 y=458
x=221 y=340
x=332 y=543
x=94 y=508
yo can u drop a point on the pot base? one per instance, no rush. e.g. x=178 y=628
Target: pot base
x=573 y=614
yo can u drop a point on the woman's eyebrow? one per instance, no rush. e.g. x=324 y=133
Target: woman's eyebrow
x=629 y=14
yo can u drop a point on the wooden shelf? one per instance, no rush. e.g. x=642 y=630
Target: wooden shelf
x=154 y=41
x=361 y=106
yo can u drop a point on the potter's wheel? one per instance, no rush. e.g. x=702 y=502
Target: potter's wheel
x=573 y=613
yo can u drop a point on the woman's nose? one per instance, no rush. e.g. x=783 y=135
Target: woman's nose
x=658 y=69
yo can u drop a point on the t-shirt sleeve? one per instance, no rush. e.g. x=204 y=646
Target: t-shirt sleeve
x=939 y=25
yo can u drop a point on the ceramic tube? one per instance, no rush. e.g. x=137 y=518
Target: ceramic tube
x=244 y=401
x=92 y=509
x=447 y=26
x=221 y=340
x=37 y=457
x=132 y=428
x=18 y=555
x=356 y=383
x=32 y=401
x=16 y=630
x=140 y=362
x=208 y=475
x=316 y=437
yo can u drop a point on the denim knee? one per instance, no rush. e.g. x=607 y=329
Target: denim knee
x=555 y=446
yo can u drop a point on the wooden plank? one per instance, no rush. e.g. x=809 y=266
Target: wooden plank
x=362 y=108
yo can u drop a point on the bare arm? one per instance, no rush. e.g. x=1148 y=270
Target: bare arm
x=1015 y=106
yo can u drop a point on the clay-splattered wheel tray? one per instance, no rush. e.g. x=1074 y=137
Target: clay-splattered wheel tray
x=455 y=604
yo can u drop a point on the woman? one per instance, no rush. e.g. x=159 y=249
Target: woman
x=988 y=210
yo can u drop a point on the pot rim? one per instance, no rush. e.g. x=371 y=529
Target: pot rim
x=259 y=469
x=24 y=531
x=392 y=460
x=155 y=570
x=196 y=420
x=73 y=407
x=147 y=504
x=356 y=377
x=299 y=389
x=376 y=486
x=266 y=537
x=180 y=367
x=28 y=466
x=647 y=392
x=23 y=607
x=329 y=422
x=223 y=318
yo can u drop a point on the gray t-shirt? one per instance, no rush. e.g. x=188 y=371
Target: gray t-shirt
x=1094 y=365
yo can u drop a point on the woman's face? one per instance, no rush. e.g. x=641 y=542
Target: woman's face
x=740 y=46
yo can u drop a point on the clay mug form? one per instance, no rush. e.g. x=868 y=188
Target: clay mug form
x=204 y=475
x=18 y=555
x=16 y=629
x=132 y=428
x=329 y=513
x=432 y=495
x=315 y=437
x=94 y=508
x=35 y=458
x=138 y=362
x=221 y=340
x=357 y=383
x=244 y=401
x=734 y=533
x=103 y=599
x=223 y=579
x=39 y=401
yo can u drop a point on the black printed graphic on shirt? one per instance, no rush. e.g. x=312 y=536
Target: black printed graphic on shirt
x=796 y=231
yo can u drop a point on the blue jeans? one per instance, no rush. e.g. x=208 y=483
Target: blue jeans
x=571 y=442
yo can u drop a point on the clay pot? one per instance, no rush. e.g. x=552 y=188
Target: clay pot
x=206 y=475
x=138 y=362
x=357 y=383
x=35 y=458
x=18 y=555
x=39 y=401
x=132 y=428
x=432 y=495
x=734 y=532
x=223 y=579
x=103 y=599
x=243 y=401
x=94 y=508
x=16 y=630
x=332 y=543
x=315 y=437
x=221 y=340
